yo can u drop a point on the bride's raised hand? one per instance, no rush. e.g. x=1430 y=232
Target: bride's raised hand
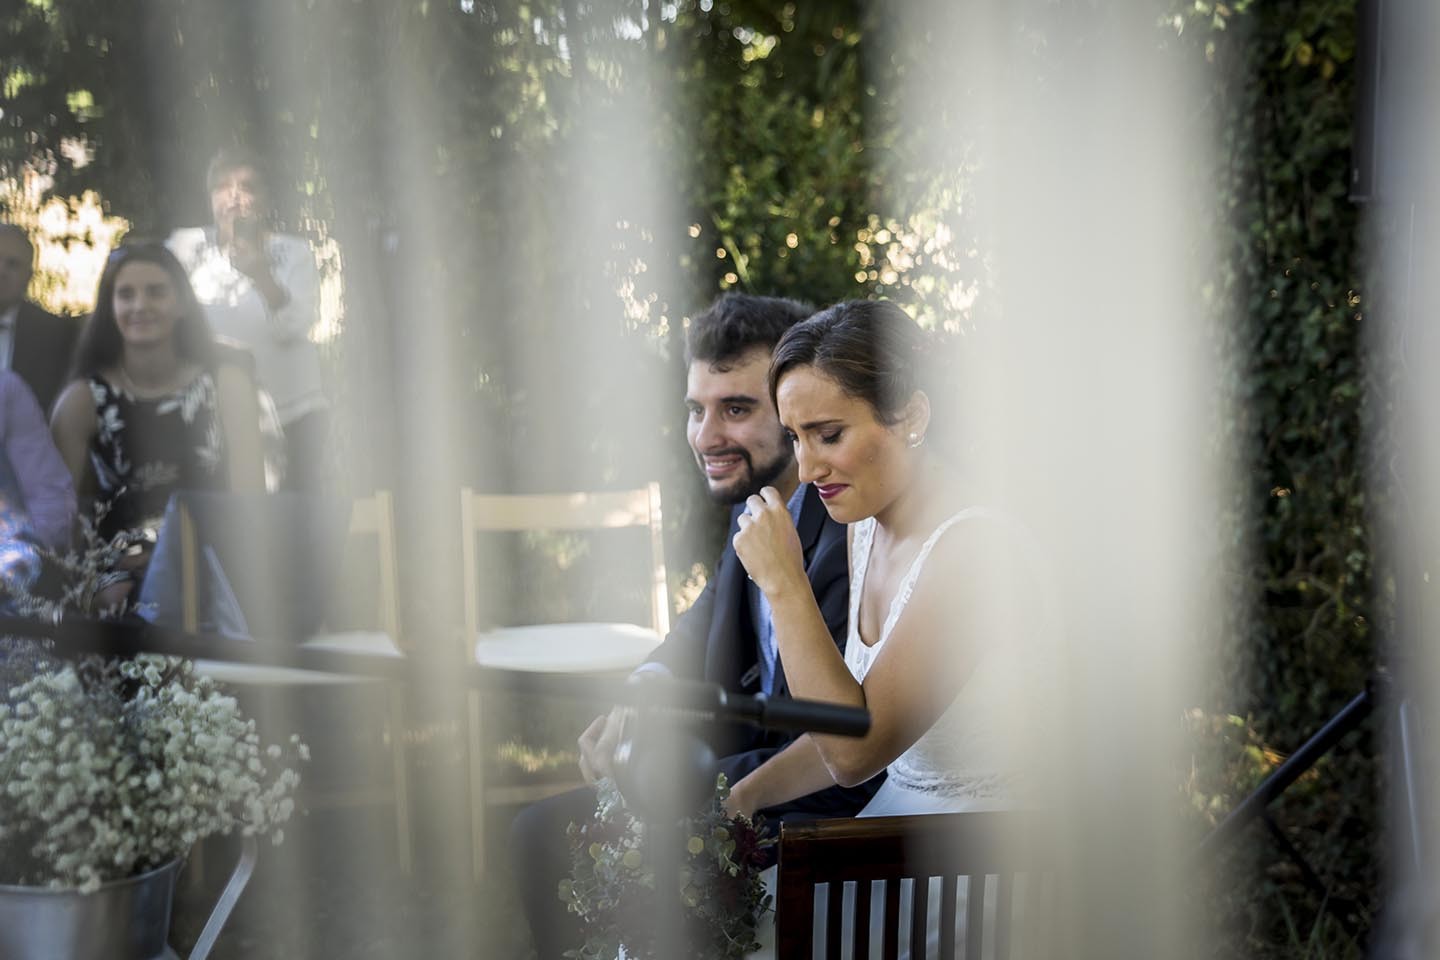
x=768 y=545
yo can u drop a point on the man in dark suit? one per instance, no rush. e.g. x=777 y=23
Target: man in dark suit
x=35 y=344
x=726 y=637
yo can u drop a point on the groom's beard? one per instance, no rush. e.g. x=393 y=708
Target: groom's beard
x=755 y=477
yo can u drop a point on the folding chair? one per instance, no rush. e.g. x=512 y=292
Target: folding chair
x=372 y=516
x=570 y=648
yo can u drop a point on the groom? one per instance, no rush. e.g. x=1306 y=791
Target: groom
x=727 y=636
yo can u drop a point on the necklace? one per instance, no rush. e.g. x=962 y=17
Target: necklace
x=131 y=388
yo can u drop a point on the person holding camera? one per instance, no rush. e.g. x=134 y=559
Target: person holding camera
x=260 y=290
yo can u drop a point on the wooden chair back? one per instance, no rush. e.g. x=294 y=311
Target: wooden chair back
x=372 y=516
x=820 y=859
x=518 y=513
x=498 y=513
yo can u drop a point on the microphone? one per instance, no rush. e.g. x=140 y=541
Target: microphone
x=813 y=716
x=708 y=702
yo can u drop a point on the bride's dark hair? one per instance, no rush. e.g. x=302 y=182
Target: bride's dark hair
x=871 y=348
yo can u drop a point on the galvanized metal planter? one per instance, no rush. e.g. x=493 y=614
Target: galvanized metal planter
x=124 y=920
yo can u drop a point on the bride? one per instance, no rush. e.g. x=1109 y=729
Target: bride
x=935 y=648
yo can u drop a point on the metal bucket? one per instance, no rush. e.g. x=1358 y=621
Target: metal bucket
x=123 y=920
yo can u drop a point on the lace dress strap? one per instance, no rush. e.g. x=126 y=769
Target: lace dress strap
x=907 y=585
x=862 y=535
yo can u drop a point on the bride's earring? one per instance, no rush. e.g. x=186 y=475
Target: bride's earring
x=916 y=440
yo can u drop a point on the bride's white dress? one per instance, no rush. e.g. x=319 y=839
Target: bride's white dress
x=966 y=760
x=963 y=762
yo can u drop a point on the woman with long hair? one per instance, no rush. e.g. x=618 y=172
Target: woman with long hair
x=152 y=408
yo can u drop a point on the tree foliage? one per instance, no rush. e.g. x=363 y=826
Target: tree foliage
x=1282 y=87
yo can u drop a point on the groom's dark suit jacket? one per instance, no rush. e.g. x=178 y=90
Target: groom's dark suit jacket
x=41 y=352
x=715 y=641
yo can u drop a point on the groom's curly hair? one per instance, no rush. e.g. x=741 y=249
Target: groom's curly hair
x=737 y=323
x=871 y=348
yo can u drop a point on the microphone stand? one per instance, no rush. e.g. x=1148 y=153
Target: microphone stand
x=666 y=771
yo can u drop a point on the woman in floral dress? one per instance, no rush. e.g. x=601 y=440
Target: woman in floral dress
x=151 y=410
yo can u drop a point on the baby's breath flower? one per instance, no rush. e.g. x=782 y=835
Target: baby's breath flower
x=108 y=768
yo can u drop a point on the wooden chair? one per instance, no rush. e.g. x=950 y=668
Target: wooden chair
x=570 y=648
x=372 y=516
x=843 y=885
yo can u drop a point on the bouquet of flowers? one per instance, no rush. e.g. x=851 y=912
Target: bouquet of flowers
x=49 y=584
x=109 y=768
x=612 y=883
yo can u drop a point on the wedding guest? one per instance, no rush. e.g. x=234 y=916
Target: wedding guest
x=34 y=343
x=261 y=290
x=937 y=651
x=37 y=497
x=726 y=637
x=153 y=409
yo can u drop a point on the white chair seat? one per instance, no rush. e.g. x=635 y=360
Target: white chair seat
x=254 y=674
x=566 y=647
x=375 y=643
x=370 y=643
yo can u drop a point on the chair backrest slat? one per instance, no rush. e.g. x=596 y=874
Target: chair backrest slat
x=1003 y=900
x=862 y=919
x=189 y=572
x=561 y=511
x=834 y=913
x=375 y=516
x=890 y=946
x=974 y=915
x=919 y=914
x=948 y=890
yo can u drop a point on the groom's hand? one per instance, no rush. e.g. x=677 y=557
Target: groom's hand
x=598 y=742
